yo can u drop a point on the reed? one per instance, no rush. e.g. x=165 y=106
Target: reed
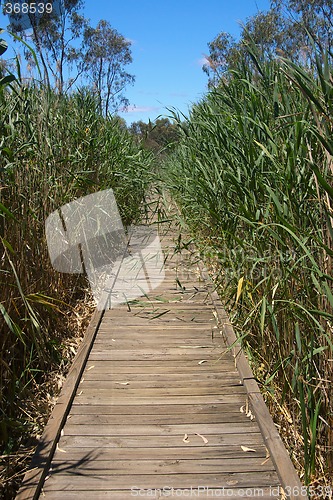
x=54 y=149
x=253 y=178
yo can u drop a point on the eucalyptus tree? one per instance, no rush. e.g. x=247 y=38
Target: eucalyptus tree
x=294 y=29
x=56 y=37
x=106 y=53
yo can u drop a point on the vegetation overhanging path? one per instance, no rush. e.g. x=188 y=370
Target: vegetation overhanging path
x=161 y=402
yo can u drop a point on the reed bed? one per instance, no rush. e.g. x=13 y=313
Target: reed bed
x=253 y=178
x=54 y=149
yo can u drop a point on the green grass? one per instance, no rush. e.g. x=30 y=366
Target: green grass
x=253 y=177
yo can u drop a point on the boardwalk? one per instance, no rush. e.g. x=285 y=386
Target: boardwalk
x=161 y=408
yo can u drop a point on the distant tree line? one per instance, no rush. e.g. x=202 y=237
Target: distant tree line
x=160 y=136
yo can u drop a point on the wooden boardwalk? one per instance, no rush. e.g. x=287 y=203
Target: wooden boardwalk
x=160 y=407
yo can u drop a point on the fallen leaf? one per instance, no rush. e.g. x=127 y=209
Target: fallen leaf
x=60 y=449
x=245 y=448
x=79 y=394
x=232 y=483
x=241 y=409
x=186 y=439
x=90 y=367
x=265 y=461
x=205 y=440
x=239 y=289
x=202 y=361
x=122 y=383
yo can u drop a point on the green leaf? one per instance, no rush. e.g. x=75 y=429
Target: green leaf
x=11 y=324
x=8 y=245
x=3 y=47
x=7 y=79
x=298 y=337
x=7 y=212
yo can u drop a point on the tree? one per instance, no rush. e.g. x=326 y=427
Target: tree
x=287 y=30
x=309 y=16
x=53 y=36
x=106 y=54
x=157 y=136
x=221 y=52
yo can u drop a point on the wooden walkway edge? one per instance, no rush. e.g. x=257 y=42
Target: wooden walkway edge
x=280 y=457
x=161 y=394
x=35 y=476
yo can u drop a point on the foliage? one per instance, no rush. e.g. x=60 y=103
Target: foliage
x=288 y=28
x=106 y=54
x=55 y=38
x=222 y=51
x=54 y=148
x=253 y=175
x=159 y=136
x=70 y=50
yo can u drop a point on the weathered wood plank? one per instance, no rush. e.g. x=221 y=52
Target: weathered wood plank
x=164 y=355
x=198 y=492
x=173 y=400
x=102 y=482
x=170 y=381
x=156 y=418
x=250 y=440
x=163 y=466
x=151 y=430
x=168 y=367
x=232 y=452
x=163 y=409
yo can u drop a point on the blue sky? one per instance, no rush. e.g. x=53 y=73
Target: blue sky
x=169 y=39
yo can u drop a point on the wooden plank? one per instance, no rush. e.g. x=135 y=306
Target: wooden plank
x=155 y=418
x=250 y=440
x=152 y=430
x=162 y=466
x=122 y=391
x=231 y=452
x=164 y=355
x=221 y=378
x=144 y=339
x=123 y=400
x=198 y=492
x=102 y=482
x=186 y=410
x=144 y=367
x=170 y=380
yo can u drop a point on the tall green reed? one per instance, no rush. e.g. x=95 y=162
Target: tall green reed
x=54 y=149
x=253 y=177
